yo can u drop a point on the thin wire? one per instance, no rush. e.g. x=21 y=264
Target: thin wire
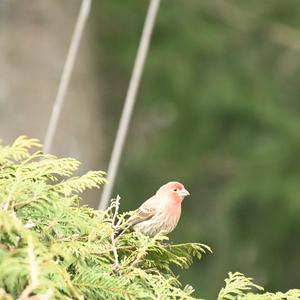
x=129 y=103
x=66 y=74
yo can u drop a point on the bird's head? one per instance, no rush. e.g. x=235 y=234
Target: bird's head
x=174 y=190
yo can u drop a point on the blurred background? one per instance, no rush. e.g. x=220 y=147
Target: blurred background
x=218 y=109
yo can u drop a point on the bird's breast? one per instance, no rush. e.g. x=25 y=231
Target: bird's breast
x=170 y=217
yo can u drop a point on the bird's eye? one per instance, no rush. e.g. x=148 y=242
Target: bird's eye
x=175 y=190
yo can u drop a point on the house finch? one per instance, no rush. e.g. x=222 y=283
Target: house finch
x=161 y=212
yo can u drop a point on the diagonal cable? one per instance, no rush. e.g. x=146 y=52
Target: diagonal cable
x=129 y=102
x=66 y=74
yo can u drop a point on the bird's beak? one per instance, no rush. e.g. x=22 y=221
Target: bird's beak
x=183 y=193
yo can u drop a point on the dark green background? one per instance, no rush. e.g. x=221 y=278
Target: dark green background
x=219 y=110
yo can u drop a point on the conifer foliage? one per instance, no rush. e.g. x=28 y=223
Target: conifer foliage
x=240 y=287
x=52 y=248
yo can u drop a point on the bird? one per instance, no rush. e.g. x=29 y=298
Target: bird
x=161 y=212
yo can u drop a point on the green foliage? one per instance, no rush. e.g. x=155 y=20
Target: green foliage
x=238 y=287
x=51 y=248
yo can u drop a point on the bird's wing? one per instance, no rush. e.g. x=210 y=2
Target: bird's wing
x=143 y=213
